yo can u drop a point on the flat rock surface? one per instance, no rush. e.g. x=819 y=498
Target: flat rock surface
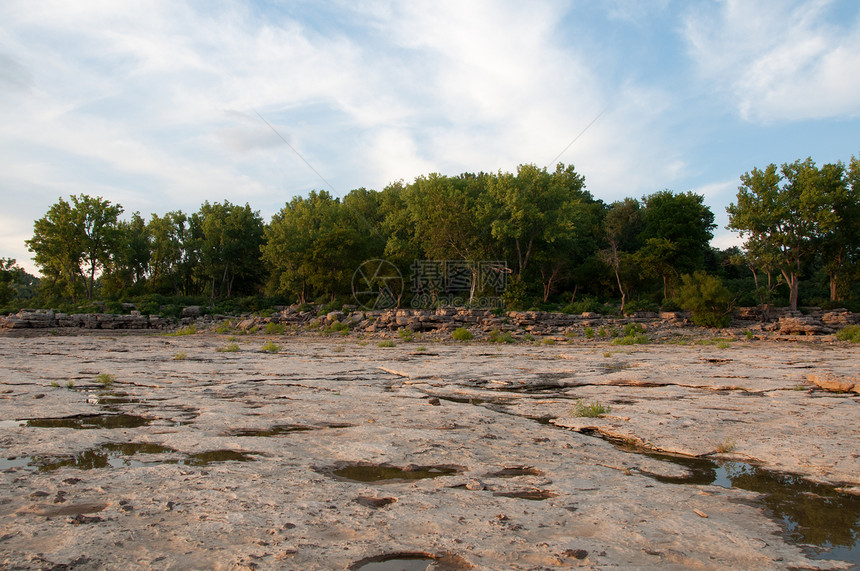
x=333 y=452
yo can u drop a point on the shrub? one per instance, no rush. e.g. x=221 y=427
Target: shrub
x=497 y=336
x=593 y=410
x=637 y=339
x=106 y=379
x=462 y=334
x=706 y=298
x=850 y=333
x=386 y=343
x=632 y=329
x=228 y=348
x=181 y=356
x=589 y=333
x=548 y=341
x=269 y=347
x=405 y=334
x=274 y=328
x=224 y=327
x=190 y=330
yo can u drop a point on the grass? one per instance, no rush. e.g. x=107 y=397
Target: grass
x=269 y=347
x=636 y=339
x=106 y=379
x=224 y=327
x=496 y=336
x=589 y=333
x=181 y=356
x=748 y=334
x=228 y=348
x=462 y=334
x=726 y=446
x=405 y=334
x=421 y=348
x=55 y=384
x=593 y=410
x=274 y=328
x=337 y=327
x=548 y=341
x=386 y=343
x=70 y=384
x=850 y=333
x=189 y=330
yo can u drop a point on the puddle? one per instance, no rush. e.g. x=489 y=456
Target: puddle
x=396 y=562
x=213 y=456
x=813 y=515
x=113 y=455
x=514 y=471
x=89 y=421
x=276 y=430
x=534 y=494
x=279 y=429
x=382 y=474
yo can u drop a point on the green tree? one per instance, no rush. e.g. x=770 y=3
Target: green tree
x=9 y=273
x=706 y=298
x=786 y=211
x=129 y=261
x=622 y=226
x=230 y=247
x=840 y=246
x=71 y=237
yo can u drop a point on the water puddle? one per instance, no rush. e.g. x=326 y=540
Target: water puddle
x=515 y=471
x=533 y=494
x=90 y=421
x=379 y=473
x=411 y=561
x=119 y=455
x=280 y=429
x=817 y=516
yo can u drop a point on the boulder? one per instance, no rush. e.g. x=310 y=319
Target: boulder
x=835 y=383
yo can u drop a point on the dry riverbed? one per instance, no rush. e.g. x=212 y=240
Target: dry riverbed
x=339 y=453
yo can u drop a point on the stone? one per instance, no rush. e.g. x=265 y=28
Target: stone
x=835 y=383
x=191 y=311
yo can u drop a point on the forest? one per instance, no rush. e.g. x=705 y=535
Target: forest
x=558 y=246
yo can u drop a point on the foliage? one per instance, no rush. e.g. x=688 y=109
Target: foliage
x=706 y=298
x=187 y=330
x=386 y=343
x=228 y=348
x=270 y=347
x=592 y=410
x=496 y=336
x=462 y=334
x=180 y=356
x=405 y=334
x=849 y=333
x=106 y=379
x=632 y=339
x=274 y=328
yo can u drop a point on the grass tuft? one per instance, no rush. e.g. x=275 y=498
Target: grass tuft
x=593 y=410
x=269 y=347
x=462 y=334
x=106 y=379
x=228 y=348
x=850 y=333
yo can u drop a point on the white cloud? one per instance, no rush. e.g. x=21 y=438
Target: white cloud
x=780 y=60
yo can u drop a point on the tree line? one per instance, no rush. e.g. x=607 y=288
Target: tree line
x=559 y=244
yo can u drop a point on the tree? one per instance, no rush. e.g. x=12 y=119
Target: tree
x=9 y=274
x=840 y=246
x=622 y=226
x=677 y=233
x=708 y=300
x=787 y=212
x=230 y=247
x=129 y=261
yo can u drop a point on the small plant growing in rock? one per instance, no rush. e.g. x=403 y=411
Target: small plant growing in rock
x=549 y=341
x=589 y=333
x=224 y=327
x=106 y=379
x=602 y=332
x=528 y=337
x=637 y=339
x=632 y=329
x=189 y=330
x=727 y=446
x=274 y=328
x=405 y=334
x=462 y=334
x=386 y=343
x=55 y=384
x=421 y=348
x=70 y=384
x=748 y=334
x=181 y=356
x=269 y=347
x=496 y=336
x=593 y=410
x=228 y=348
x=850 y=333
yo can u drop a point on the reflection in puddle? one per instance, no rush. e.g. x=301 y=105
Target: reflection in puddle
x=279 y=429
x=211 y=456
x=119 y=455
x=89 y=421
x=379 y=473
x=812 y=514
x=514 y=471
x=533 y=494
x=395 y=562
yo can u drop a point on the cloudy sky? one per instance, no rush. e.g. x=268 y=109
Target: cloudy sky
x=154 y=104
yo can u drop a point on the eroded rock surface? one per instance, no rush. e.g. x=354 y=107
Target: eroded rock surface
x=188 y=457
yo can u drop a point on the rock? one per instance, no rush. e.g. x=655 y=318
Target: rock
x=191 y=311
x=835 y=383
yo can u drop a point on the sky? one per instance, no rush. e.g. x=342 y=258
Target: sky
x=160 y=105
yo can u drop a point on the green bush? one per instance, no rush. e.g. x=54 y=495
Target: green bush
x=706 y=298
x=228 y=348
x=850 y=333
x=586 y=304
x=636 y=339
x=593 y=410
x=496 y=336
x=269 y=347
x=632 y=329
x=386 y=343
x=274 y=328
x=589 y=333
x=405 y=334
x=462 y=334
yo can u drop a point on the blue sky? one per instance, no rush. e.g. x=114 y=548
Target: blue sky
x=153 y=103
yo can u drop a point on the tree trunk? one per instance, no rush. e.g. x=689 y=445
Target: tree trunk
x=794 y=287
